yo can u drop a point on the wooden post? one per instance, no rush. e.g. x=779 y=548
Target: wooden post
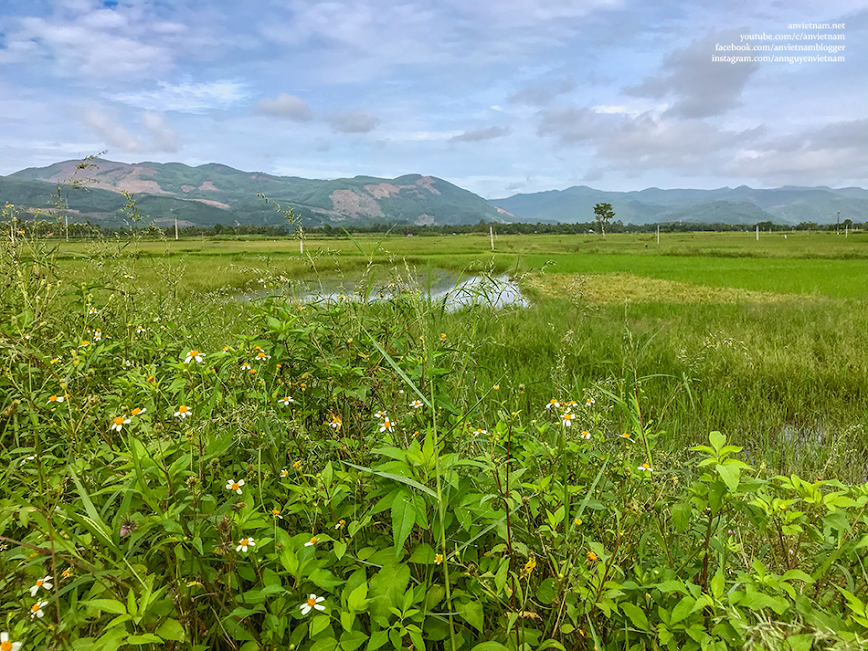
x=658 y=233
x=846 y=231
x=66 y=225
x=491 y=235
x=176 y=229
x=301 y=240
x=757 y=233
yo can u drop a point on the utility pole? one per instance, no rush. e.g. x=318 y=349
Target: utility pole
x=838 y=224
x=66 y=226
x=491 y=235
x=658 y=233
x=757 y=233
x=176 y=228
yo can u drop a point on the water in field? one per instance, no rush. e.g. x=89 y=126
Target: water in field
x=450 y=290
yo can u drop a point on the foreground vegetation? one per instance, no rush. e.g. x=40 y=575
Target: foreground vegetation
x=186 y=470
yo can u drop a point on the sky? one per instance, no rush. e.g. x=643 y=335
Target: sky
x=503 y=97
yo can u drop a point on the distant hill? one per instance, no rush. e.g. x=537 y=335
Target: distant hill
x=217 y=194
x=741 y=205
x=211 y=194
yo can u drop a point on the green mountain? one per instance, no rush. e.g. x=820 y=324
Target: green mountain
x=741 y=205
x=211 y=194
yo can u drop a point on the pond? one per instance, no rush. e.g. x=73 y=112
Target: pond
x=450 y=289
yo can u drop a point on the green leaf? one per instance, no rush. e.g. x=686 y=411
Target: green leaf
x=682 y=609
x=318 y=624
x=358 y=598
x=800 y=642
x=729 y=475
x=171 y=629
x=403 y=518
x=106 y=605
x=489 y=646
x=717 y=440
x=390 y=475
x=472 y=614
x=145 y=638
x=635 y=614
x=340 y=548
x=681 y=515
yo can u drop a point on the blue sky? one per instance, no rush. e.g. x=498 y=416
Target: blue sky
x=497 y=97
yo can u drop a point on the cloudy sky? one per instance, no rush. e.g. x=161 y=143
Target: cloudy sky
x=498 y=97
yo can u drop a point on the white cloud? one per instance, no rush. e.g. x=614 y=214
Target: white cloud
x=160 y=136
x=186 y=97
x=357 y=122
x=284 y=106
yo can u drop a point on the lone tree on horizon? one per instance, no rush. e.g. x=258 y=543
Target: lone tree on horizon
x=604 y=213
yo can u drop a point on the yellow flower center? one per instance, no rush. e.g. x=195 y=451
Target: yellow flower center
x=235 y=486
x=85 y=343
x=438 y=558
x=275 y=511
x=136 y=411
x=119 y=420
x=313 y=541
x=194 y=353
x=34 y=608
x=52 y=398
x=6 y=646
x=592 y=556
x=183 y=409
x=244 y=542
x=645 y=466
x=39 y=583
x=311 y=602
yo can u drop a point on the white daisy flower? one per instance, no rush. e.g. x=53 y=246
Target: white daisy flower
x=183 y=412
x=284 y=473
x=553 y=404
x=244 y=543
x=8 y=645
x=645 y=468
x=139 y=412
x=245 y=366
x=52 y=399
x=312 y=602
x=586 y=435
x=119 y=422
x=285 y=400
x=36 y=611
x=92 y=310
x=275 y=513
x=386 y=425
x=590 y=401
x=97 y=336
x=416 y=404
x=44 y=582
x=194 y=355
x=340 y=524
x=233 y=485
x=311 y=542
x=140 y=330
x=479 y=431
x=567 y=419
x=262 y=357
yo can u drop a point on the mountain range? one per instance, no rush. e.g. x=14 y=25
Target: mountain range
x=213 y=193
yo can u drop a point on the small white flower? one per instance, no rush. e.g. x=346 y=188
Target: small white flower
x=233 y=485
x=92 y=310
x=119 y=422
x=340 y=524
x=285 y=400
x=26 y=459
x=194 y=355
x=140 y=330
x=7 y=645
x=284 y=473
x=312 y=602
x=416 y=404
x=553 y=404
x=36 y=611
x=97 y=336
x=139 y=412
x=479 y=431
x=380 y=414
x=44 y=582
x=311 y=542
x=183 y=412
x=127 y=363
x=590 y=401
x=52 y=399
x=260 y=356
x=128 y=276
x=586 y=435
x=567 y=419
x=645 y=467
x=244 y=543
x=245 y=366
x=386 y=425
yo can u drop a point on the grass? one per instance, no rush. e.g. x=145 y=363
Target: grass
x=288 y=511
